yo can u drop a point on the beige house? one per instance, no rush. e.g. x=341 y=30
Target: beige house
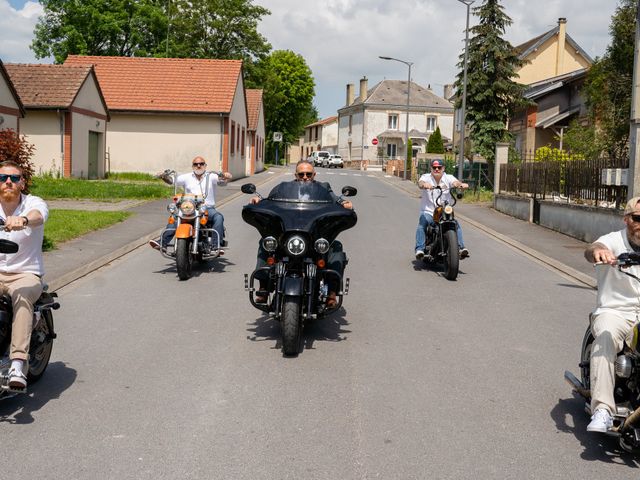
x=321 y=135
x=551 y=54
x=379 y=115
x=66 y=118
x=11 y=109
x=166 y=111
x=256 y=132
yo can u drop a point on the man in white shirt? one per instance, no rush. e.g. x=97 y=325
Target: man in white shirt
x=427 y=182
x=203 y=183
x=21 y=272
x=617 y=311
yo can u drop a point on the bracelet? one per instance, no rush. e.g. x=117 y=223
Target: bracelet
x=26 y=220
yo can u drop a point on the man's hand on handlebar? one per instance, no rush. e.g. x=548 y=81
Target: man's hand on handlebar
x=15 y=223
x=601 y=255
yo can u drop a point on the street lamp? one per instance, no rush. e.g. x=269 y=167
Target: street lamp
x=406 y=133
x=463 y=119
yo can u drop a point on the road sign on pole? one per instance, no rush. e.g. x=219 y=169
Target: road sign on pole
x=374 y=141
x=277 y=136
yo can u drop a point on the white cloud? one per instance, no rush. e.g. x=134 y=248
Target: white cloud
x=16 y=31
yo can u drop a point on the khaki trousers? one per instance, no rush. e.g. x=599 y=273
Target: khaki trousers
x=610 y=330
x=24 y=289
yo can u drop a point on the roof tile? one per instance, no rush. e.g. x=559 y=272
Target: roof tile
x=254 y=103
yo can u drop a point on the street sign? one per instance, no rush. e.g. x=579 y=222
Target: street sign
x=277 y=136
x=374 y=141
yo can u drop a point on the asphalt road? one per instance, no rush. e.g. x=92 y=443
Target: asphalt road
x=417 y=377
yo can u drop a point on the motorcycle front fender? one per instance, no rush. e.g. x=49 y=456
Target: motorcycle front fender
x=293 y=286
x=184 y=230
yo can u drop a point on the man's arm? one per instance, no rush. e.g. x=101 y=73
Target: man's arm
x=599 y=253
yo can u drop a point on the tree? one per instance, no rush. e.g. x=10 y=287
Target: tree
x=288 y=95
x=435 y=145
x=608 y=90
x=492 y=93
x=15 y=148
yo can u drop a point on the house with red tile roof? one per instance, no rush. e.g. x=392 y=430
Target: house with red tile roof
x=321 y=135
x=11 y=109
x=256 y=131
x=65 y=118
x=166 y=111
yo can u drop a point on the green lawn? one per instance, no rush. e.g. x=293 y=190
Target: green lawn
x=99 y=190
x=63 y=225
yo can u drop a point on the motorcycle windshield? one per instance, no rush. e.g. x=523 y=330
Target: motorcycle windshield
x=300 y=207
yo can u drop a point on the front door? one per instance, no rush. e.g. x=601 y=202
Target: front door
x=94 y=146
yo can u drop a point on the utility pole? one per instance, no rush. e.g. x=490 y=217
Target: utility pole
x=633 y=179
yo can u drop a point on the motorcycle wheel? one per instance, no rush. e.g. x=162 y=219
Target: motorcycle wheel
x=291 y=326
x=184 y=260
x=452 y=257
x=585 y=359
x=40 y=351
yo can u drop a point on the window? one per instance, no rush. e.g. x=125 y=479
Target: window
x=431 y=123
x=315 y=137
x=393 y=121
x=233 y=137
x=392 y=149
x=242 y=143
x=350 y=123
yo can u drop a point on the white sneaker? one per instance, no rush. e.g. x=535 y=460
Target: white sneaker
x=601 y=421
x=419 y=254
x=17 y=379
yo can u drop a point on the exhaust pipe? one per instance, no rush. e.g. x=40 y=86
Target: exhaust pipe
x=577 y=385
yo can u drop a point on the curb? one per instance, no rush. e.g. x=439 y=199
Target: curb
x=541 y=257
x=77 y=273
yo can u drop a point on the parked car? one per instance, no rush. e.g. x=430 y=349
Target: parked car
x=334 y=161
x=318 y=157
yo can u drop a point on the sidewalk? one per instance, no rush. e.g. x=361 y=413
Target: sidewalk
x=558 y=251
x=81 y=256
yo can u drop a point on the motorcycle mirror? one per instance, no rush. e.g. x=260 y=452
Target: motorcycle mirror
x=248 y=188
x=459 y=195
x=7 y=246
x=349 y=191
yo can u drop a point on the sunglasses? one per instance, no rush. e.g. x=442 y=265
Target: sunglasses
x=305 y=174
x=635 y=218
x=14 y=178
x=200 y=164
x=436 y=168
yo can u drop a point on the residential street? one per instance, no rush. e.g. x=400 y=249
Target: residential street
x=416 y=377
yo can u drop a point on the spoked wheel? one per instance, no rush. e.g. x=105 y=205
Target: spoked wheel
x=184 y=260
x=585 y=359
x=41 y=347
x=452 y=257
x=291 y=326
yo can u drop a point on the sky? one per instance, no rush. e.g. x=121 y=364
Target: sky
x=341 y=40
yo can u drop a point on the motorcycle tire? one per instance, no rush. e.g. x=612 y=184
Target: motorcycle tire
x=291 y=326
x=184 y=260
x=41 y=347
x=452 y=257
x=585 y=359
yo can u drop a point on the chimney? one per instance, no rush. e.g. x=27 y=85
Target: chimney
x=363 y=89
x=350 y=89
x=562 y=35
x=448 y=91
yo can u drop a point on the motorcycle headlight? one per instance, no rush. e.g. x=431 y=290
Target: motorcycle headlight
x=187 y=207
x=448 y=210
x=296 y=246
x=269 y=244
x=172 y=208
x=321 y=245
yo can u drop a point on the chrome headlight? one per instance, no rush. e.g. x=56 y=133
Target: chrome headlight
x=296 y=246
x=448 y=210
x=172 y=208
x=187 y=207
x=269 y=244
x=321 y=245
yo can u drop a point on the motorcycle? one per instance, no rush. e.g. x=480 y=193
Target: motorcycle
x=42 y=335
x=442 y=238
x=298 y=223
x=192 y=241
x=626 y=419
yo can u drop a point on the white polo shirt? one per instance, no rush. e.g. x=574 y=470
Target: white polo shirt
x=28 y=258
x=428 y=200
x=199 y=187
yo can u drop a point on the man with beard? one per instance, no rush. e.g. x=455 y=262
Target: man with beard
x=21 y=272
x=617 y=311
x=203 y=183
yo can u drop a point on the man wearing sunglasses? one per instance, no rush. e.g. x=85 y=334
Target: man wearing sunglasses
x=203 y=183
x=617 y=311
x=20 y=273
x=427 y=182
x=336 y=259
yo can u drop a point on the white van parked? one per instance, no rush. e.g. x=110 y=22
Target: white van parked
x=318 y=157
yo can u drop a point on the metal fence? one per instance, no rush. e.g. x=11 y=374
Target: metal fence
x=578 y=181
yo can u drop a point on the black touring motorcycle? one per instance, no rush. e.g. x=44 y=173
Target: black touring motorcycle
x=626 y=419
x=298 y=222
x=42 y=335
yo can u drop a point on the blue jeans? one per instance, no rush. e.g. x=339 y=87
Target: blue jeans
x=215 y=221
x=427 y=219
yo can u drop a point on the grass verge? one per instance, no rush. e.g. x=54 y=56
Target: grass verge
x=99 y=190
x=63 y=225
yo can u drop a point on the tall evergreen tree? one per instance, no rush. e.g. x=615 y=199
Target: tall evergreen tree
x=492 y=91
x=435 y=145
